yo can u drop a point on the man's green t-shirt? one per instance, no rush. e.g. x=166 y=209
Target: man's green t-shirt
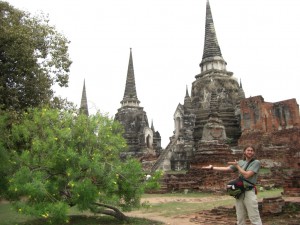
x=253 y=166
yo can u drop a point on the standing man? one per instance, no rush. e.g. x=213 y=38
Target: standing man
x=247 y=203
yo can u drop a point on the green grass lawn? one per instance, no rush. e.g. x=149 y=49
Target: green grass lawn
x=181 y=208
x=9 y=216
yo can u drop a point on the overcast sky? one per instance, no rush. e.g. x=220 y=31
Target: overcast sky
x=259 y=40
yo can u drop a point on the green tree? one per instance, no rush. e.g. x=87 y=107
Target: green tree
x=33 y=58
x=60 y=160
x=4 y=154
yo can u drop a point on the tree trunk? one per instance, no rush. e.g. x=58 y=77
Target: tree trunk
x=111 y=211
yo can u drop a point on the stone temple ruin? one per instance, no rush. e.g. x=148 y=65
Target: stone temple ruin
x=141 y=139
x=217 y=121
x=212 y=126
x=211 y=114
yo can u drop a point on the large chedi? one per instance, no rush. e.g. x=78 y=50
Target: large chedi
x=211 y=114
x=215 y=79
x=140 y=137
x=215 y=95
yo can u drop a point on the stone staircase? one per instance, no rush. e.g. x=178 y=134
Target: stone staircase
x=163 y=155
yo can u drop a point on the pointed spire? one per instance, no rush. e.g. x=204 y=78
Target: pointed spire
x=187 y=99
x=241 y=91
x=83 y=104
x=212 y=56
x=187 y=92
x=130 y=95
x=211 y=45
x=152 y=127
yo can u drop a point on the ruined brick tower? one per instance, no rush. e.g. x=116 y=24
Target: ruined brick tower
x=139 y=136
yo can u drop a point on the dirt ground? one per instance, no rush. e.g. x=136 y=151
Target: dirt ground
x=217 y=216
x=177 y=220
